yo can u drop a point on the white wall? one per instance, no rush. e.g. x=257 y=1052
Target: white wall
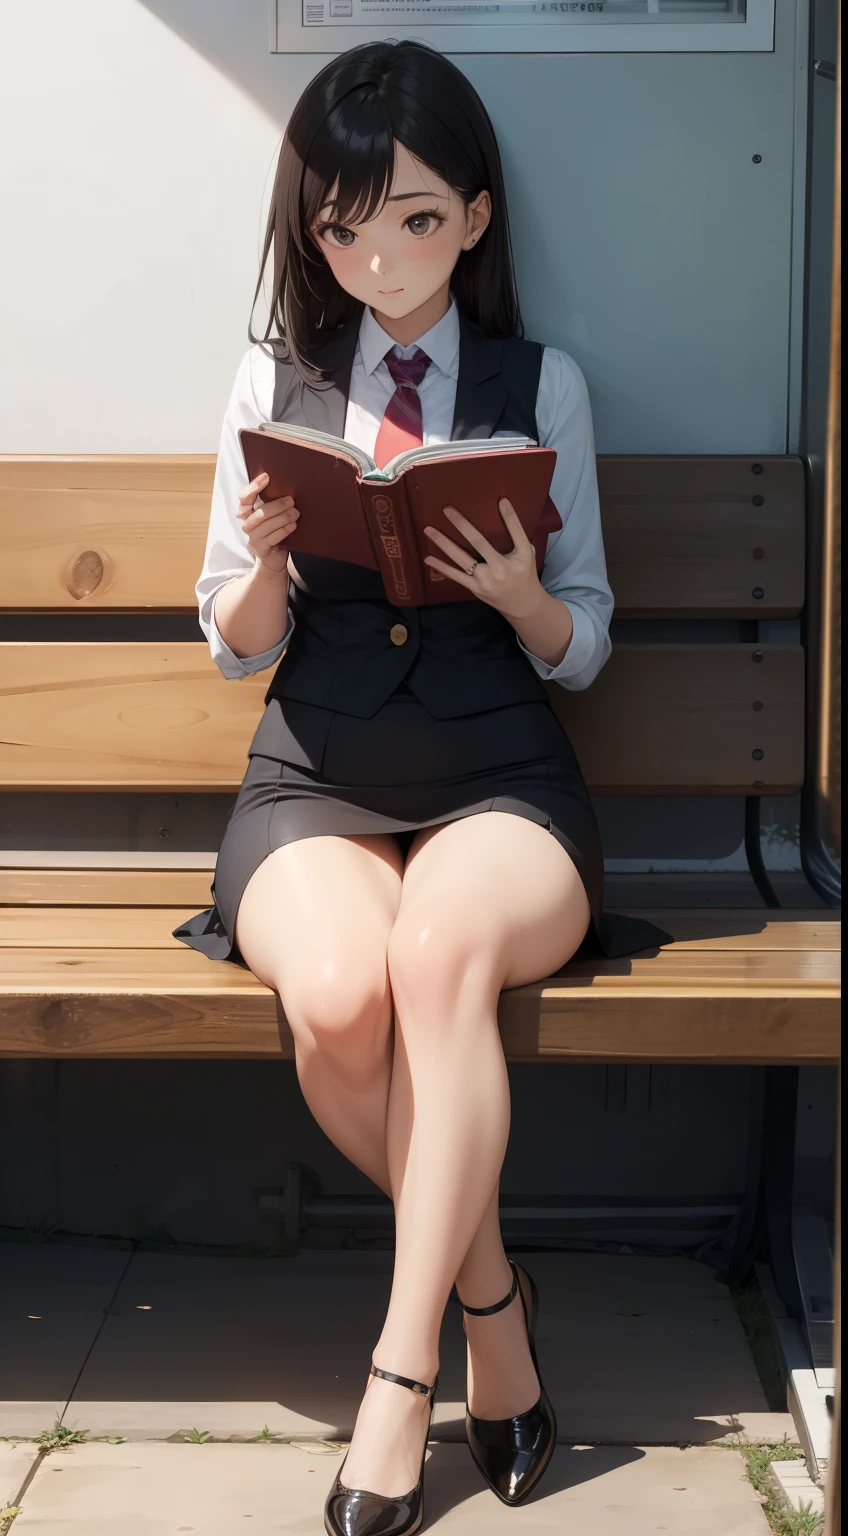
x=132 y=181
x=139 y=138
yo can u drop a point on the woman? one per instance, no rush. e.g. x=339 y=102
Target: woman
x=413 y=832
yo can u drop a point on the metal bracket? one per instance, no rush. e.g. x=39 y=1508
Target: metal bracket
x=814 y=1267
x=805 y=1399
x=754 y=851
x=299 y=1205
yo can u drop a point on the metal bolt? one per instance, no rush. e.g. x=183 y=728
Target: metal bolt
x=757 y=704
x=757 y=592
x=758 y=500
x=164 y=833
x=757 y=656
x=756 y=469
x=758 y=754
x=757 y=159
x=759 y=783
x=758 y=553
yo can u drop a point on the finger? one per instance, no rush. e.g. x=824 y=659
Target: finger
x=513 y=523
x=472 y=534
x=250 y=492
x=256 y=520
x=279 y=535
x=451 y=571
x=269 y=538
x=461 y=556
x=269 y=508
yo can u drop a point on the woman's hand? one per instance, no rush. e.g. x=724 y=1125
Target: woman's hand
x=267 y=523
x=508 y=582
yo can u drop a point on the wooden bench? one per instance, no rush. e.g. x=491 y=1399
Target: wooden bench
x=89 y=966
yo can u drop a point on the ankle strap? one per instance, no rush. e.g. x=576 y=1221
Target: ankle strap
x=404 y=1381
x=499 y=1305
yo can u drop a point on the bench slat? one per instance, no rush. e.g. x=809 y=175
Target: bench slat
x=151 y=928
x=127 y=532
x=93 y=971
x=184 y=888
x=685 y=538
x=659 y=719
x=755 y=1009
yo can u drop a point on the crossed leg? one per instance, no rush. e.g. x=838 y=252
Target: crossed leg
x=487 y=902
x=314 y=924
x=340 y=929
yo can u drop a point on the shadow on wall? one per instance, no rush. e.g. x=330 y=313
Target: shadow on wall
x=235 y=40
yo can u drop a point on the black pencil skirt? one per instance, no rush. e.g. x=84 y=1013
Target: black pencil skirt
x=314 y=772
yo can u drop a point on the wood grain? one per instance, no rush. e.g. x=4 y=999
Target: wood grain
x=151 y=928
x=79 y=1002
x=659 y=719
x=734 y=987
x=94 y=970
x=126 y=533
x=118 y=532
x=691 y=536
x=130 y=887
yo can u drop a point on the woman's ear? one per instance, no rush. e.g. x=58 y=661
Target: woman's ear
x=477 y=216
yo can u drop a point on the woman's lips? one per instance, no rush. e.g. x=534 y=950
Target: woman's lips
x=387 y=292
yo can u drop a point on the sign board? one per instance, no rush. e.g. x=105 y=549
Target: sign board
x=527 y=26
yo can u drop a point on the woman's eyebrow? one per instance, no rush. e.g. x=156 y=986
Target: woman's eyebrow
x=399 y=197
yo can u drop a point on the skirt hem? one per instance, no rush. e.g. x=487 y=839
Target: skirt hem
x=610 y=934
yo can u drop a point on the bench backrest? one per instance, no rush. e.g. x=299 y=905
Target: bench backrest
x=709 y=538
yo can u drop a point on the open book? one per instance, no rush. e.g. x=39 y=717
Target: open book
x=351 y=510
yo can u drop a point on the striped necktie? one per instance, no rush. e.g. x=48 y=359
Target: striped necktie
x=402 y=425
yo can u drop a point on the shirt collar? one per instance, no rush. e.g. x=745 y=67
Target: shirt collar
x=441 y=342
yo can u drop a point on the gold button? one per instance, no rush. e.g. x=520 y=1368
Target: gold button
x=398 y=634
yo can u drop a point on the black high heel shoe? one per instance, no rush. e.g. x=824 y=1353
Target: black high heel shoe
x=356 y=1512
x=513 y=1453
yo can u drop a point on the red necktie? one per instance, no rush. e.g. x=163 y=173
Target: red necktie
x=402 y=426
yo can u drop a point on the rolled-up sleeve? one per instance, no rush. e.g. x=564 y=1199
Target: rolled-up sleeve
x=574 y=569
x=227 y=555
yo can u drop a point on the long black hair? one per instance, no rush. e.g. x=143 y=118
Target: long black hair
x=343 y=131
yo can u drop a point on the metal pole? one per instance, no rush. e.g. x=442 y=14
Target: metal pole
x=833 y=1508
x=821 y=822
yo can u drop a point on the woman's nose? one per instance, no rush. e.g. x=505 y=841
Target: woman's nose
x=378 y=266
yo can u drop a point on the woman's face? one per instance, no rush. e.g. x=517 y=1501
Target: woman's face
x=399 y=259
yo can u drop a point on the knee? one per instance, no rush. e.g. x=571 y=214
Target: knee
x=340 y=1005
x=437 y=960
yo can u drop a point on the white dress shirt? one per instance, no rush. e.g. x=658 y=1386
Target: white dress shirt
x=574 y=569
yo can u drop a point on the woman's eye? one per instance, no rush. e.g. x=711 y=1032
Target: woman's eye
x=423 y=223
x=341 y=236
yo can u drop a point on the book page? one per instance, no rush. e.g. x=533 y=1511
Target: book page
x=420 y=455
x=315 y=439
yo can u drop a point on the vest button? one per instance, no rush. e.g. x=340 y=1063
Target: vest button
x=398 y=634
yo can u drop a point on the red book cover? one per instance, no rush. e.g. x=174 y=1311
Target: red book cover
x=351 y=511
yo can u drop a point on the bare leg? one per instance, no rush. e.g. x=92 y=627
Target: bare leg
x=487 y=902
x=314 y=923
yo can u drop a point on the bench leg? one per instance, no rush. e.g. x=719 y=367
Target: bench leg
x=767 y=1210
x=754 y=851
x=749 y=1232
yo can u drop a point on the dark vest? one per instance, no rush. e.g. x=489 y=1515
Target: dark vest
x=459 y=658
